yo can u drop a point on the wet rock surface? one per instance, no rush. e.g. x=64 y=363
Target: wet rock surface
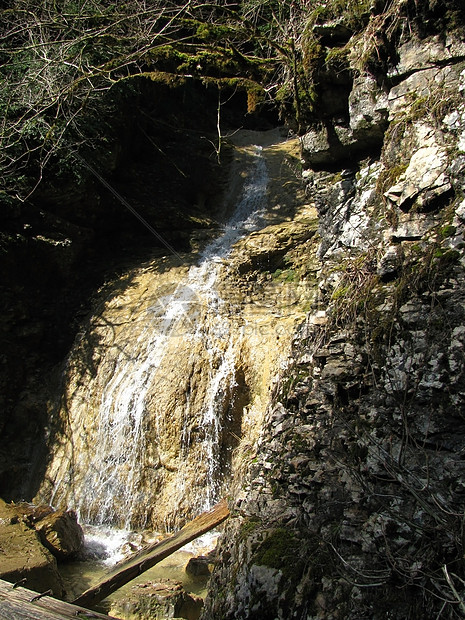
x=158 y=601
x=166 y=385
x=62 y=243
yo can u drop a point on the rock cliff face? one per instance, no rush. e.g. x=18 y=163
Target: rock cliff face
x=72 y=234
x=350 y=504
x=167 y=384
x=353 y=505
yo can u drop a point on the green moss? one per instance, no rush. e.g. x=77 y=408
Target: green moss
x=446 y=257
x=312 y=53
x=248 y=526
x=448 y=231
x=208 y=61
x=279 y=550
x=337 y=59
x=285 y=275
x=354 y=14
x=214 y=32
x=161 y=77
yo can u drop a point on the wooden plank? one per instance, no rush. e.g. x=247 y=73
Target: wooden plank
x=127 y=570
x=23 y=604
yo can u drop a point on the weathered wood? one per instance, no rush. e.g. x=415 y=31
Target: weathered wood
x=23 y=604
x=127 y=570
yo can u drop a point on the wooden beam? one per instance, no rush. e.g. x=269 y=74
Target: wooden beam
x=127 y=570
x=22 y=604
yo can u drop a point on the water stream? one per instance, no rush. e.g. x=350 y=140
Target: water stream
x=166 y=386
x=111 y=484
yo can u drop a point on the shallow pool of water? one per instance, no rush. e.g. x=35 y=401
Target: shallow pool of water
x=104 y=547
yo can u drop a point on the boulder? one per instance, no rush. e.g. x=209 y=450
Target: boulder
x=316 y=146
x=368 y=109
x=198 y=567
x=61 y=533
x=424 y=180
x=158 y=601
x=22 y=556
x=327 y=144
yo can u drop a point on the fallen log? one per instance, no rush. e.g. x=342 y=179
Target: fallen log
x=19 y=603
x=127 y=570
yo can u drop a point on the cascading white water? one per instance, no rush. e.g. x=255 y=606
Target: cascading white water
x=112 y=483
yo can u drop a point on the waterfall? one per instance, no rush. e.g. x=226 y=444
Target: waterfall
x=127 y=452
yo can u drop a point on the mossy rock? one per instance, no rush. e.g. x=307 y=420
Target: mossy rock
x=279 y=550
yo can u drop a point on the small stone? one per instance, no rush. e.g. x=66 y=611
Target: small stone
x=388 y=264
x=199 y=566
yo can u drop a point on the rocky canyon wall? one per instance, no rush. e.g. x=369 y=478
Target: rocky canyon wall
x=166 y=386
x=72 y=234
x=347 y=499
x=353 y=504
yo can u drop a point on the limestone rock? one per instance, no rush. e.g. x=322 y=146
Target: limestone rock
x=368 y=109
x=22 y=555
x=411 y=228
x=316 y=147
x=61 y=533
x=460 y=211
x=158 y=601
x=365 y=436
x=435 y=82
x=416 y=56
x=336 y=140
x=424 y=180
